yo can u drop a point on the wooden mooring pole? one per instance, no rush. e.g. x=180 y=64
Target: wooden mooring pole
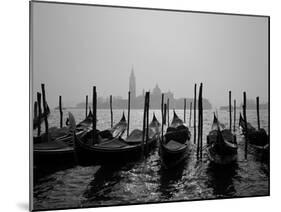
x=163 y=116
x=147 y=121
x=201 y=121
x=39 y=113
x=45 y=109
x=129 y=108
x=111 y=112
x=165 y=113
x=168 y=112
x=86 y=113
x=258 y=112
x=35 y=115
x=194 y=121
x=94 y=106
x=61 y=113
x=234 y=118
x=245 y=118
x=200 y=114
x=190 y=114
x=184 y=110
x=230 y=109
x=144 y=123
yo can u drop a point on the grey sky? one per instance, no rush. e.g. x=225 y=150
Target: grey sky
x=76 y=47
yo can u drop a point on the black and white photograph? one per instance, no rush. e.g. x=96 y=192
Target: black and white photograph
x=134 y=105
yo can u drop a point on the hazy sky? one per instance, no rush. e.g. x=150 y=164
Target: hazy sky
x=76 y=47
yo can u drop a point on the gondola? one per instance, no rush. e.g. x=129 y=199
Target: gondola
x=221 y=145
x=242 y=124
x=59 y=145
x=175 y=144
x=63 y=133
x=116 y=131
x=135 y=136
x=115 y=149
x=50 y=150
x=86 y=124
x=258 y=139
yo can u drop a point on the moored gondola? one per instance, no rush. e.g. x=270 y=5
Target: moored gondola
x=135 y=137
x=50 y=150
x=258 y=139
x=175 y=143
x=117 y=130
x=63 y=134
x=86 y=124
x=221 y=145
x=242 y=125
x=115 y=149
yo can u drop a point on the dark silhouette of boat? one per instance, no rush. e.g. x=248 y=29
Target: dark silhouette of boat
x=53 y=147
x=175 y=144
x=114 y=149
x=258 y=139
x=59 y=144
x=242 y=124
x=86 y=124
x=221 y=145
x=56 y=133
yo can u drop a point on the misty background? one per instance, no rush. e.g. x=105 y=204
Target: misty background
x=76 y=47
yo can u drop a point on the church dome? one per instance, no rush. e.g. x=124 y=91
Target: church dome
x=156 y=91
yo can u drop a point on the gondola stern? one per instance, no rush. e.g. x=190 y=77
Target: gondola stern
x=72 y=123
x=175 y=114
x=123 y=119
x=154 y=118
x=241 y=120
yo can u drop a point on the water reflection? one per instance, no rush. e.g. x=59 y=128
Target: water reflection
x=169 y=179
x=104 y=181
x=40 y=172
x=220 y=179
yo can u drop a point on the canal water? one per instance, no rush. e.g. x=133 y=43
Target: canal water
x=146 y=181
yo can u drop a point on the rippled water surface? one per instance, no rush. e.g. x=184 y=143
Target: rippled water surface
x=146 y=180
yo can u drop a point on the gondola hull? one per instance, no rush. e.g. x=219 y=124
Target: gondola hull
x=47 y=151
x=261 y=153
x=220 y=154
x=172 y=158
x=57 y=147
x=175 y=145
x=258 y=140
x=103 y=154
x=115 y=149
x=221 y=145
x=54 y=157
x=220 y=159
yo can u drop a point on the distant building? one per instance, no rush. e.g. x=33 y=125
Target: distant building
x=132 y=84
x=156 y=91
x=137 y=102
x=169 y=95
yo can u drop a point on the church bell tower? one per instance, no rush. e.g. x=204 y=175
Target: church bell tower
x=132 y=84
